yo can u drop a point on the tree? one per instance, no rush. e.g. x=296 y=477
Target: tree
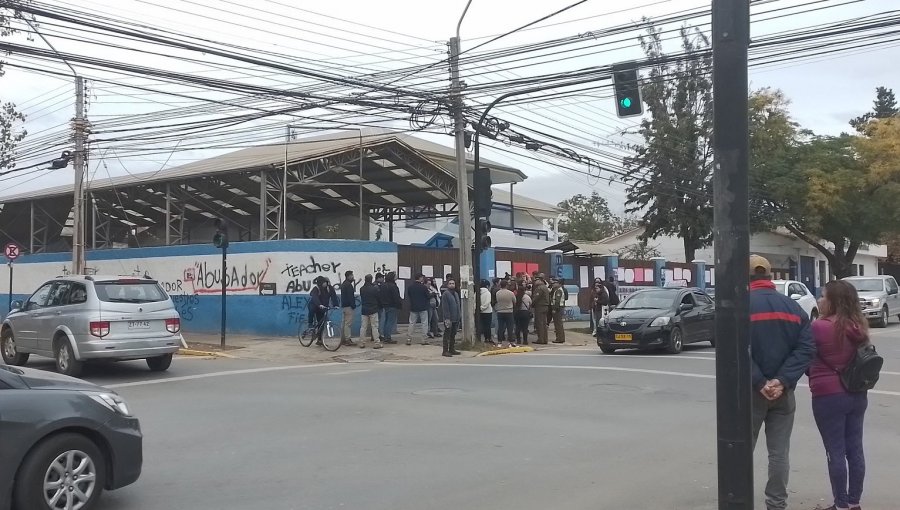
x=9 y=116
x=671 y=171
x=639 y=251
x=884 y=106
x=588 y=218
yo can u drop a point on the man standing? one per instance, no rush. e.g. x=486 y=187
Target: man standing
x=613 y=292
x=557 y=308
x=379 y=283
x=540 y=304
x=348 y=305
x=418 y=308
x=392 y=302
x=782 y=349
x=370 y=305
x=451 y=310
x=506 y=303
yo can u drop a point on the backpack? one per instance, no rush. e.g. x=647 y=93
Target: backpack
x=862 y=372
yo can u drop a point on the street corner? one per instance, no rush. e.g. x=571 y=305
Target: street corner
x=507 y=350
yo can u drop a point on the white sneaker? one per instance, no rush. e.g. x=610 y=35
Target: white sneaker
x=409 y=341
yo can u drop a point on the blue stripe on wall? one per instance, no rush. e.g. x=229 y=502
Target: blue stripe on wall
x=288 y=245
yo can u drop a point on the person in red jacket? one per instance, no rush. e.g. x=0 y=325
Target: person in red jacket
x=838 y=413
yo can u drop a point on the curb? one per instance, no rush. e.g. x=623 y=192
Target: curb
x=194 y=352
x=508 y=350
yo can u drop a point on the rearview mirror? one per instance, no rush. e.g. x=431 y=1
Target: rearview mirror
x=685 y=307
x=796 y=297
x=15 y=305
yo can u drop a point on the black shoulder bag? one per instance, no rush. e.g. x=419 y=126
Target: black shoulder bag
x=863 y=371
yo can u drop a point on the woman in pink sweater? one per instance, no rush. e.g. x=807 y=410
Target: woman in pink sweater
x=839 y=414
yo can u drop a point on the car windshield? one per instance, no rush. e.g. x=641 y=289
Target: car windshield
x=780 y=287
x=868 y=285
x=653 y=299
x=129 y=291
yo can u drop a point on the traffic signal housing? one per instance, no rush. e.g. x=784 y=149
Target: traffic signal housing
x=483 y=228
x=628 y=90
x=220 y=238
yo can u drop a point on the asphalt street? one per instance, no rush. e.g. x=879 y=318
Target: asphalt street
x=566 y=428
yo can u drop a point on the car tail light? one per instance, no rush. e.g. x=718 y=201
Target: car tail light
x=100 y=328
x=173 y=325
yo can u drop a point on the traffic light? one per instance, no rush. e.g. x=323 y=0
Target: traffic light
x=628 y=90
x=483 y=228
x=220 y=238
x=483 y=195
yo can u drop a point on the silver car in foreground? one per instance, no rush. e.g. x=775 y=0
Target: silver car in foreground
x=76 y=319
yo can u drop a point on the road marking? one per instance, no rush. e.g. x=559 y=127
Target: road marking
x=610 y=369
x=345 y=372
x=213 y=374
x=607 y=356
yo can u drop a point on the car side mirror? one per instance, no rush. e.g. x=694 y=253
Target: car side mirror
x=15 y=305
x=685 y=307
x=796 y=297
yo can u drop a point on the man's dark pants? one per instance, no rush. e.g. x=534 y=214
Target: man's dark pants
x=778 y=416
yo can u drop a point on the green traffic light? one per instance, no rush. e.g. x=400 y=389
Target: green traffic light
x=626 y=102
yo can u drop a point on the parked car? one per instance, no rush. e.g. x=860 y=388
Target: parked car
x=83 y=318
x=64 y=441
x=879 y=297
x=658 y=318
x=801 y=294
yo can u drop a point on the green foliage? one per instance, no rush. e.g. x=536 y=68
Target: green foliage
x=884 y=106
x=671 y=172
x=640 y=250
x=10 y=118
x=588 y=218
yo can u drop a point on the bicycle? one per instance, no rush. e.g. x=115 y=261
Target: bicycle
x=330 y=341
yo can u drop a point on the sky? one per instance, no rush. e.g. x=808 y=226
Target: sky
x=333 y=36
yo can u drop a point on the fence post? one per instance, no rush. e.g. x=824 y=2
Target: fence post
x=700 y=273
x=659 y=268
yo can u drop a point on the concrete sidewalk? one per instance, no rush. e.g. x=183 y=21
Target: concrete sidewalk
x=289 y=350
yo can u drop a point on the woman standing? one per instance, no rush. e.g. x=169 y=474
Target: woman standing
x=523 y=314
x=839 y=414
x=434 y=304
x=486 y=312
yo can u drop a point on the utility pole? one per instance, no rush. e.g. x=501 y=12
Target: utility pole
x=466 y=287
x=731 y=37
x=78 y=234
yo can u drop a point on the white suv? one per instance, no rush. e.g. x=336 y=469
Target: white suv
x=799 y=293
x=879 y=297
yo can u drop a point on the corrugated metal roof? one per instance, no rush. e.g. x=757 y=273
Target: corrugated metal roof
x=543 y=209
x=273 y=156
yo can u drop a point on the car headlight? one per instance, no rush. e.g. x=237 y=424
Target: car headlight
x=110 y=401
x=601 y=321
x=661 y=321
x=875 y=301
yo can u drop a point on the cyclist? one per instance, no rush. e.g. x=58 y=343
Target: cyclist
x=319 y=297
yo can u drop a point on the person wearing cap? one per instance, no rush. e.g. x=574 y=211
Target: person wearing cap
x=781 y=350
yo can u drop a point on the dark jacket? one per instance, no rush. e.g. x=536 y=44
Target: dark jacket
x=348 y=299
x=781 y=343
x=613 y=293
x=418 y=297
x=540 y=296
x=369 y=298
x=450 y=308
x=389 y=295
x=318 y=298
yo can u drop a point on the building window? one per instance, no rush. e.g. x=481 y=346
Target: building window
x=862 y=270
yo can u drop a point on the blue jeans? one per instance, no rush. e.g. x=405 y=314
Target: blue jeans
x=389 y=324
x=840 y=420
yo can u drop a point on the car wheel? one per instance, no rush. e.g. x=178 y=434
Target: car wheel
x=160 y=363
x=676 y=341
x=607 y=350
x=11 y=356
x=63 y=471
x=66 y=363
x=814 y=314
x=883 y=322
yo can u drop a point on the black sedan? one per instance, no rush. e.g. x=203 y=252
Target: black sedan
x=658 y=318
x=63 y=441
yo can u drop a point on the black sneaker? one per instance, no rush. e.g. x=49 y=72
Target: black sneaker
x=389 y=341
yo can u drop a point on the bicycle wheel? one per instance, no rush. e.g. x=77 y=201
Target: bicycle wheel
x=306 y=335
x=330 y=341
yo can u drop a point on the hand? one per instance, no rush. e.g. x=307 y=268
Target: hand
x=773 y=389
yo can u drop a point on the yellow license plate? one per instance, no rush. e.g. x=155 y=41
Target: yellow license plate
x=623 y=337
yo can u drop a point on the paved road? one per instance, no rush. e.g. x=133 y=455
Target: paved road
x=565 y=429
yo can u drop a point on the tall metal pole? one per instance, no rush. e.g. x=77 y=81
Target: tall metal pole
x=467 y=289
x=78 y=220
x=284 y=184
x=362 y=224
x=224 y=290
x=731 y=36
